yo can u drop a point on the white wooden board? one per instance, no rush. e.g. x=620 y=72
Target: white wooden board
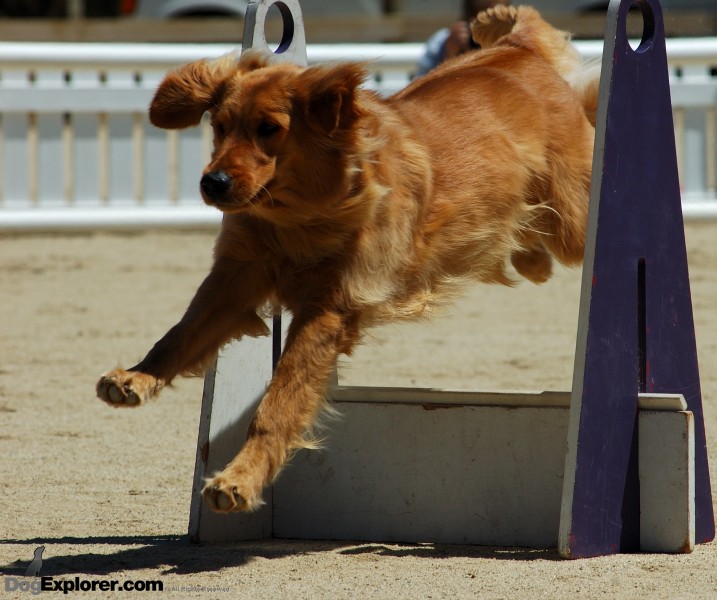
x=414 y=473
x=667 y=481
x=427 y=465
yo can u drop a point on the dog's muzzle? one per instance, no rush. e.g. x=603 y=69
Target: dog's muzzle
x=215 y=184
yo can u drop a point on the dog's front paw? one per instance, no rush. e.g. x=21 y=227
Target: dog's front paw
x=225 y=494
x=494 y=23
x=127 y=388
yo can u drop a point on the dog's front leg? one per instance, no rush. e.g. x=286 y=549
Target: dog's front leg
x=287 y=411
x=223 y=308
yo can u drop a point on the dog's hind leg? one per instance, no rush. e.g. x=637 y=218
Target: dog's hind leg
x=534 y=263
x=524 y=27
x=492 y=24
x=569 y=193
x=287 y=411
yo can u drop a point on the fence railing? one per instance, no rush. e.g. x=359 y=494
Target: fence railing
x=77 y=150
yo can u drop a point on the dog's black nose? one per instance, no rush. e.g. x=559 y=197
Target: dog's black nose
x=215 y=184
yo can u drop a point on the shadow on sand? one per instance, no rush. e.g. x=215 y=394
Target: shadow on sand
x=174 y=554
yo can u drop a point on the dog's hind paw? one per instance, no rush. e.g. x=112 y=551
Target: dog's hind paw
x=492 y=24
x=224 y=496
x=535 y=264
x=123 y=389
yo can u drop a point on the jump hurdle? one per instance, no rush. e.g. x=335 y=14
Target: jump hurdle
x=495 y=470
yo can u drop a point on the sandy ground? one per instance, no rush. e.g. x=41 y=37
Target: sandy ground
x=107 y=492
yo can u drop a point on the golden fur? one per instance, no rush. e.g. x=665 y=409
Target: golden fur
x=351 y=210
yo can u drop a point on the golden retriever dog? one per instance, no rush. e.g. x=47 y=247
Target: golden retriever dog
x=349 y=209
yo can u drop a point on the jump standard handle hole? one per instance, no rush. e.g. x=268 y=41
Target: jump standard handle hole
x=640 y=26
x=279 y=27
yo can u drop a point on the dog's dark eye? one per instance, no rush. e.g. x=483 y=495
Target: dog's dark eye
x=267 y=128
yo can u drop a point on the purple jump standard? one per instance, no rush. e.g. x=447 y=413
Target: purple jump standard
x=636 y=331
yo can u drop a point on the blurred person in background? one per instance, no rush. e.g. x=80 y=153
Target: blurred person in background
x=456 y=39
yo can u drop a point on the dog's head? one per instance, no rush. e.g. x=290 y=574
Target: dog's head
x=282 y=133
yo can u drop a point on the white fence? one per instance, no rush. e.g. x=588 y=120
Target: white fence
x=77 y=151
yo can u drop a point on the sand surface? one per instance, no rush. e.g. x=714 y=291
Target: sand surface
x=107 y=491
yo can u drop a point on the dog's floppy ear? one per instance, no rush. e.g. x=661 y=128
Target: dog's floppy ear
x=187 y=93
x=331 y=95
